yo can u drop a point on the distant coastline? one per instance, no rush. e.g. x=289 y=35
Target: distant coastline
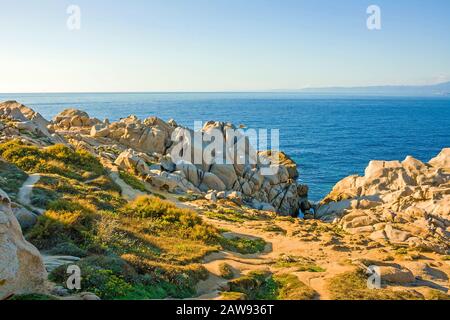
x=435 y=90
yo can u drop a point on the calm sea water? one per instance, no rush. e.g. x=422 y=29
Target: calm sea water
x=329 y=137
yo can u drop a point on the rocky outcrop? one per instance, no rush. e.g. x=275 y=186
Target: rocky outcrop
x=147 y=148
x=405 y=203
x=21 y=267
x=72 y=119
x=20 y=118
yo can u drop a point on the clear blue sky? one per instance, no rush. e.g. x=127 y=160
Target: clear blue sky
x=220 y=45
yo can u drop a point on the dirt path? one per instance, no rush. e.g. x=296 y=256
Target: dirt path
x=277 y=244
x=24 y=194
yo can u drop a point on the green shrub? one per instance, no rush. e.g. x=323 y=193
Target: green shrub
x=11 y=177
x=104 y=283
x=261 y=285
x=172 y=281
x=226 y=271
x=105 y=183
x=147 y=207
x=57 y=159
x=243 y=245
x=132 y=181
x=54 y=228
x=291 y=288
x=68 y=249
x=257 y=285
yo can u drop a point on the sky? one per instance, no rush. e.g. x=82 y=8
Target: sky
x=220 y=45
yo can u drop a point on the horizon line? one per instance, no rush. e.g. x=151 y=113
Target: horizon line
x=299 y=90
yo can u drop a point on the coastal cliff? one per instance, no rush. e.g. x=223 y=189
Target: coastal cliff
x=111 y=198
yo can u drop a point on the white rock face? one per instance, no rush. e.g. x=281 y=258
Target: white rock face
x=21 y=267
x=409 y=201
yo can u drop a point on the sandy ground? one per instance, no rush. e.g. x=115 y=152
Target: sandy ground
x=333 y=252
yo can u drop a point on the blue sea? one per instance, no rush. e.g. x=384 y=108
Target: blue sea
x=330 y=137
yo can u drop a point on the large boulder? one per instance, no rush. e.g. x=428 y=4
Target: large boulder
x=132 y=161
x=150 y=136
x=442 y=160
x=226 y=173
x=99 y=131
x=73 y=118
x=21 y=267
x=405 y=203
x=282 y=159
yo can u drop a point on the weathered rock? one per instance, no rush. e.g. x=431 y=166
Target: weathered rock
x=21 y=267
x=72 y=118
x=190 y=172
x=411 y=198
x=130 y=160
x=25 y=217
x=99 y=131
x=442 y=160
x=396 y=275
x=212 y=182
x=167 y=164
x=226 y=174
x=396 y=235
x=280 y=158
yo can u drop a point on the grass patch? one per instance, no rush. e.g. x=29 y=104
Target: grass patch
x=301 y=264
x=132 y=181
x=291 y=288
x=243 y=245
x=353 y=286
x=224 y=217
x=231 y=215
x=226 y=271
x=58 y=193
x=56 y=159
x=274 y=228
x=11 y=178
x=260 y=285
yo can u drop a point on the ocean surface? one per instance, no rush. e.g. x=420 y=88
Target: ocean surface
x=329 y=137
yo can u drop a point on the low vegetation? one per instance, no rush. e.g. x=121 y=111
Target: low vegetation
x=11 y=178
x=230 y=214
x=300 y=264
x=132 y=181
x=56 y=159
x=144 y=249
x=226 y=271
x=353 y=286
x=261 y=285
x=243 y=245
